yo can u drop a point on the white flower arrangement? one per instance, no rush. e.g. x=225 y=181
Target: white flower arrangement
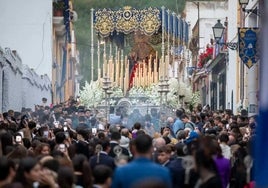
x=137 y=92
x=112 y=102
x=188 y=94
x=182 y=88
x=195 y=99
x=117 y=92
x=172 y=96
x=173 y=84
x=151 y=92
x=91 y=95
x=172 y=100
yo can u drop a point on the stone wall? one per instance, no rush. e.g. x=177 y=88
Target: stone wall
x=20 y=86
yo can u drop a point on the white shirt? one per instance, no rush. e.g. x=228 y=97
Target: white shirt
x=226 y=151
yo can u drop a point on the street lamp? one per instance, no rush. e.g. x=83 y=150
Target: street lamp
x=106 y=86
x=218 y=30
x=244 y=3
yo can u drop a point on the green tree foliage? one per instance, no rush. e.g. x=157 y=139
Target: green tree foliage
x=82 y=25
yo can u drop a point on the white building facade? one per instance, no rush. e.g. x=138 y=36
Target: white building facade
x=225 y=82
x=20 y=86
x=251 y=19
x=26 y=26
x=26 y=53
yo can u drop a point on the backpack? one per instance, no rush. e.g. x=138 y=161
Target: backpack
x=191 y=123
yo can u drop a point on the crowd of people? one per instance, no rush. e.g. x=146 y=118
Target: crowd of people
x=68 y=145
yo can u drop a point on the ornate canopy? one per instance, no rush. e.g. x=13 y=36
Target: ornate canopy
x=127 y=20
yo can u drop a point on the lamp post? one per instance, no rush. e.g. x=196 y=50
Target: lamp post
x=160 y=91
x=244 y=3
x=166 y=88
x=163 y=88
x=109 y=92
x=218 y=30
x=106 y=86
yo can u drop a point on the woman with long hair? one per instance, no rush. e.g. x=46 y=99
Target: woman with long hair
x=82 y=171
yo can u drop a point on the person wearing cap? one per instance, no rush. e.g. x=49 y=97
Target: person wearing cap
x=192 y=136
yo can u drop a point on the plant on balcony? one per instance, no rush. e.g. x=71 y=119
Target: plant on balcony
x=58 y=8
x=205 y=56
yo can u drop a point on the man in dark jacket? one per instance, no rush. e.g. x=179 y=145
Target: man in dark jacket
x=114 y=143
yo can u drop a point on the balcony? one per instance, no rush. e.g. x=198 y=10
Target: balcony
x=58 y=24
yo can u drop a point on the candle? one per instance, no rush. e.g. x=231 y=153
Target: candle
x=117 y=72
x=126 y=85
x=145 y=73
x=103 y=69
x=99 y=73
x=121 y=74
x=113 y=70
x=127 y=72
x=139 y=74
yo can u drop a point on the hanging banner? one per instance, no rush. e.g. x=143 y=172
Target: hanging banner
x=247 y=38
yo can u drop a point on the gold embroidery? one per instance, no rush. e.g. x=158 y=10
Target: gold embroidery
x=127 y=20
x=104 y=22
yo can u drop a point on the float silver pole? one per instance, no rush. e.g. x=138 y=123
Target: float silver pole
x=92 y=45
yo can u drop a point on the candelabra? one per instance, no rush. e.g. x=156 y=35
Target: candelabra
x=163 y=88
x=107 y=88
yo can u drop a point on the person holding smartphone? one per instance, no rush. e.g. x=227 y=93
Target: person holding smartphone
x=18 y=138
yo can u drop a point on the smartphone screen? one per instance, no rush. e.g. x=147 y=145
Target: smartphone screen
x=45 y=134
x=94 y=131
x=18 y=139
